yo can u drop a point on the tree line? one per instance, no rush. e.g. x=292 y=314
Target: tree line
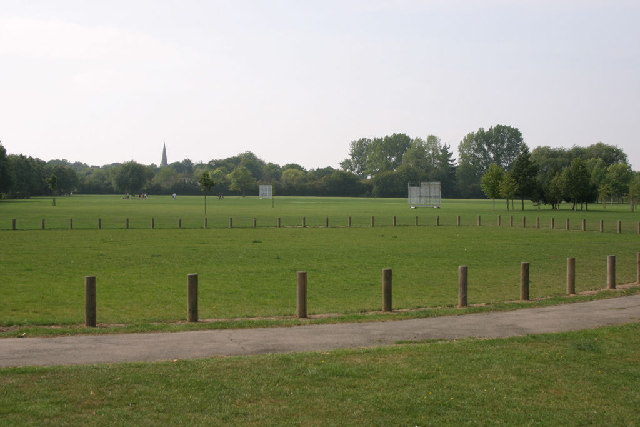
x=493 y=163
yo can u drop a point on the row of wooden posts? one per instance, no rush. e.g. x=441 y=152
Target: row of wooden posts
x=394 y=223
x=301 y=306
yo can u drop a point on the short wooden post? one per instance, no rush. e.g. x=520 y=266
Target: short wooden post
x=302 y=295
x=524 y=281
x=127 y=224
x=619 y=227
x=462 y=286
x=179 y=222
x=437 y=220
x=304 y=221
x=230 y=222
x=524 y=222
x=602 y=226
x=43 y=224
x=70 y=223
x=611 y=272
x=386 y=289
x=638 y=227
x=458 y=221
x=567 y=227
x=553 y=223
x=511 y=221
x=499 y=221
x=153 y=223
x=373 y=221
x=206 y=222
x=571 y=276
x=638 y=268
x=99 y=223
x=416 y=220
x=279 y=222
x=394 y=221
x=90 y=301
x=255 y=222
x=192 y=297
x=349 y=222
x=584 y=224
x=479 y=221
x=326 y=224
x=538 y=222
x=13 y=224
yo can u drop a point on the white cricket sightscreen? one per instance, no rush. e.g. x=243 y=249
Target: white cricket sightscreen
x=427 y=195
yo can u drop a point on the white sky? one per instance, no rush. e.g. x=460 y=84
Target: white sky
x=296 y=81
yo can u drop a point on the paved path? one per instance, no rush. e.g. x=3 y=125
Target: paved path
x=88 y=349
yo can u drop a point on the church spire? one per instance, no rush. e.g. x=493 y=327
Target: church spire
x=164 y=156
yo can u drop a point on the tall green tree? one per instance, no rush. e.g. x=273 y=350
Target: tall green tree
x=131 y=177
x=6 y=179
x=508 y=188
x=524 y=172
x=491 y=181
x=578 y=188
x=242 y=180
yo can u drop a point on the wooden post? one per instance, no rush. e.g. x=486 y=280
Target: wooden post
x=511 y=221
x=458 y=221
x=416 y=220
x=279 y=222
x=99 y=223
x=255 y=222
x=90 y=301
x=153 y=223
x=571 y=276
x=553 y=223
x=127 y=225
x=394 y=221
x=349 y=222
x=13 y=224
x=638 y=227
x=462 y=286
x=302 y=295
x=373 y=221
x=386 y=289
x=619 y=227
x=538 y=222
x=192 y=297
x=479 y=221
x=43 y=224
x=437 y=220
x=584 y=224
x=638 y=269
x=602 y=226
x=567 y=227
x=304 y=221
x=206 y=222
x=611 y=272
x=230 y=222
x=524 y=222
x=179 y=222
x=524 y=281
x=499 y=221
x=70 y=223
x=327 y=222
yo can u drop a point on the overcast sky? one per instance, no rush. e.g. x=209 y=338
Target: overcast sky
x=296 y=81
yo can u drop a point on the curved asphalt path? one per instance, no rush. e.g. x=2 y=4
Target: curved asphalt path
x=89 y=349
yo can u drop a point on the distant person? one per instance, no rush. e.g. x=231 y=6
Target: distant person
x=174 y=195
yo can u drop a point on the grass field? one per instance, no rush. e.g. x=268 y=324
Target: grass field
x=246 y=272
x=580 y=378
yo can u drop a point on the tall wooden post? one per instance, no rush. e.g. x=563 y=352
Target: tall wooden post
x=602 y=226
x=326 y=224
x=302 y=294
x=99 y=223
x=127 y=224
x=611 y=272
x=553 y=223
x=524 y=222
x=279 y=222
x=462 y=286
x=349 y=222
x=394 y=221
x=179 y=222
x=567 y=226
x=386 y=289
x=192 y=297
x=511 y=221
x=43 y=223
x=373 y=221
x=255 y=222
x=584 y=224
x=524 y=281
x=13 y=224
x=538 y=222
x=230 y=222
x=416 y=220
x=458 y=221
x=90 y=301
x=70 y=223
x=619 y=227
x=437 y=220
x=304 y=221
x=571 y=276
x=479 y=220
x=153 y=223
x=499 y=221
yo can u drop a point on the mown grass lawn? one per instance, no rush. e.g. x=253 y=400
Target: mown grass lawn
x=578 y=378
x=251 y=272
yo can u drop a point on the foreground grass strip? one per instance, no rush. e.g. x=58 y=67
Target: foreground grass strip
x=577 y=378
